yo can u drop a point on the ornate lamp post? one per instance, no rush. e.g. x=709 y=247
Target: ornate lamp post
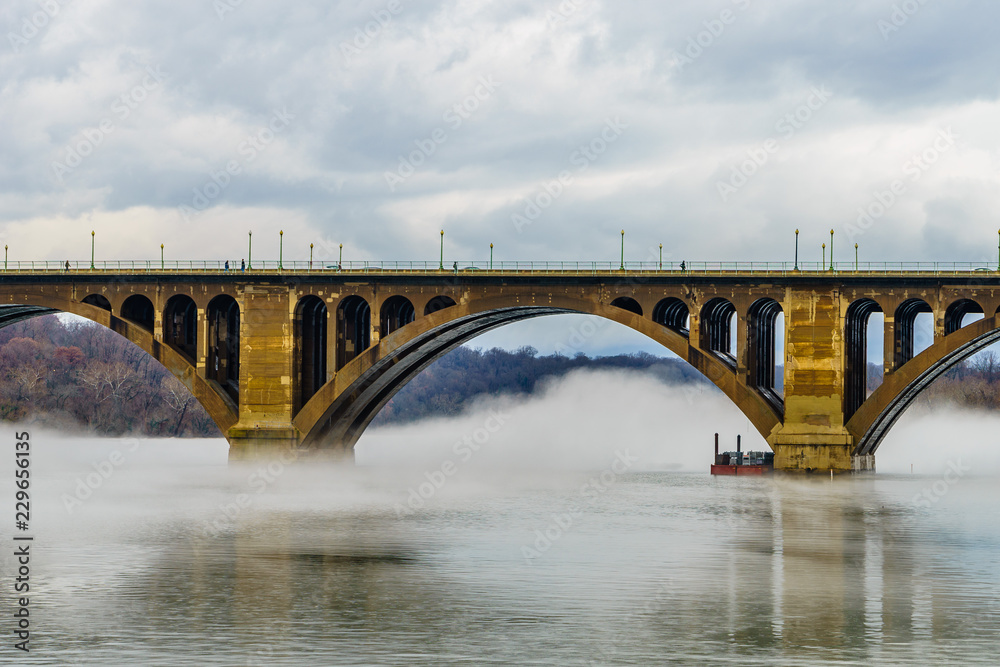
x=250 y=252
x=661 y=257
x=855 y=257
x=310 y=256
x=93 y=234
x=161 y=256
x=441 y=263
x=491 y=257
x=281 y=247
x=824 y=256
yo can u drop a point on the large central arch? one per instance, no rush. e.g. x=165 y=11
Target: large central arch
x=337 y=415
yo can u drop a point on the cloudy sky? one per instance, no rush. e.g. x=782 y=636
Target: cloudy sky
x=713 y=127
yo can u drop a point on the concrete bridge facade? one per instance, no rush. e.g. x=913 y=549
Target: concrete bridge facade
x=304 y=360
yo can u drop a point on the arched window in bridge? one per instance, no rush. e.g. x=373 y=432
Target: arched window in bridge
x=673 y=314
x=180 y=325
x=354 y=329
x=438 y=303
x=99 y=301
x=310 y=350
x=907 y=342
x=857 y=353
x=629 y=304
x=397 y=312
x=961 y=313
x=223 y=359
x=717 y=328
x=765 y=324
x=139 y=310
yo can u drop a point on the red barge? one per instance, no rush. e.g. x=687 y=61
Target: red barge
x=742 y=463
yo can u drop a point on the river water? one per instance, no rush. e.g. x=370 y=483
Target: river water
x=174 y=558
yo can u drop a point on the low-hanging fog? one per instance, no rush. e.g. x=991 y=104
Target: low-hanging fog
x=580 y=421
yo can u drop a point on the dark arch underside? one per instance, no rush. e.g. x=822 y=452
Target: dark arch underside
x=888 y=417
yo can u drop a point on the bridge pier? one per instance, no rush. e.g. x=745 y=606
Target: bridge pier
x=821 y=459
x=254 y=444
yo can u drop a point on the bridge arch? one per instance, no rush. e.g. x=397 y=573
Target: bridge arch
x=98 y=300
x=340 y=411
x=873 y=420
x=310 y=329
x=139 y=310
x=354 y=317
x=905 y=320
x=856 y=353
x=397 y=311
x=220 y=409
x=180 y=325
x=716 y=325
x=223 y=349
x=438 y=303
x=955 y=314
x=762 y=321
x=674 y=314
x=629 y=304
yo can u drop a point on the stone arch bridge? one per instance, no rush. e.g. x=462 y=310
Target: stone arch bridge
x=305 y=359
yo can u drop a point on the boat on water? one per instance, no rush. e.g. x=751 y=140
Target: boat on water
x=741 y=463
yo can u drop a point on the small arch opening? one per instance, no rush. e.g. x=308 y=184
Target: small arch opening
x=98 y=300
x=396 y=313
x=857 y=382
x=223 y=360
x=673 y=313
x=718 y=329
x=139 y=310
x=765 y=324
x=438 y=303
x=310 y=348
x=961 y=313
x=913 y=319
x=180 y=325
x=629 y=304
x=354 y=325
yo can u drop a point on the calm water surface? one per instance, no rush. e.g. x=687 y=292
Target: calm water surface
x=199 y=563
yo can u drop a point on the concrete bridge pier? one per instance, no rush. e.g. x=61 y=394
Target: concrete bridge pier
x=813 y=436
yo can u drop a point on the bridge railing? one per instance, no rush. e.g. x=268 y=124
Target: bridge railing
x=477 y=267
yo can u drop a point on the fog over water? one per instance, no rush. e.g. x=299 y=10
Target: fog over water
x=583 y=530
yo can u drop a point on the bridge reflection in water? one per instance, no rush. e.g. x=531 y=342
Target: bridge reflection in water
x=304 y=359
x=666 y=567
